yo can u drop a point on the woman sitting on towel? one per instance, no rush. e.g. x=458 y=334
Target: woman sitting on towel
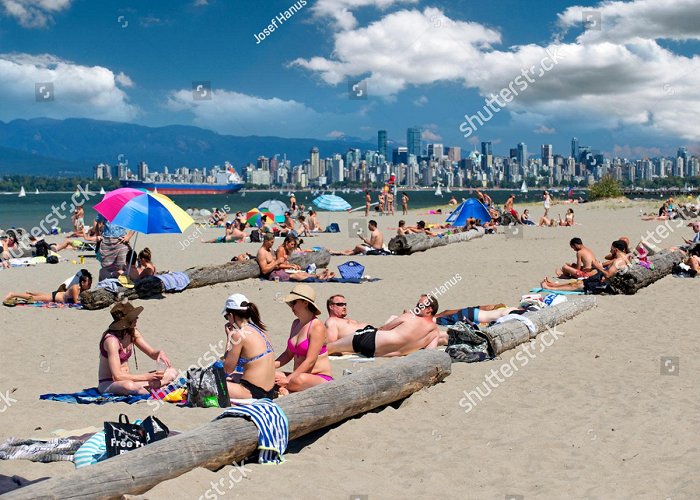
x=117 y=346
x=249 y=352
x=306 y=344
x=65 y=294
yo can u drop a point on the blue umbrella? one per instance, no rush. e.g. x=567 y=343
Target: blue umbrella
x=332 y=203
x=468 y=209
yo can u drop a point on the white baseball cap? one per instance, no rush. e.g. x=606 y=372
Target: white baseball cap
x=234 y=302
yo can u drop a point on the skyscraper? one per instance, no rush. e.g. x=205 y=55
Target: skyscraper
x=435 y=151
x=574 y=148
x=382 y=144
x=522 y=156
x=413 y=141
x=486 y=155
x=454 y=153
x=315 y=170
x=547 y=157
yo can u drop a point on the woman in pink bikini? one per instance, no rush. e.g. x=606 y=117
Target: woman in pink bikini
x=117 y=346
x=306 y=344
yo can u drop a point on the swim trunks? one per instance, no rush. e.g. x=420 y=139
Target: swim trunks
x=281 y=274
x=469 y=314
x=363 y=342
x=583 y=274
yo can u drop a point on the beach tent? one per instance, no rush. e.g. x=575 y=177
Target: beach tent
x=278 y=208
x=469 y=208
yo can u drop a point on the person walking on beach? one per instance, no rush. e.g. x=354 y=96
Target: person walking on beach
x=404 y=203
x=292 y=203
x=390 y=201
x=306 y=345
x=380 y=200
x=368 y=202
x=547 y=202
x=114 y=246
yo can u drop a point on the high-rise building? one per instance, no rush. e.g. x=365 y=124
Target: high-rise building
x=143 y=171
x=400 y=155
x=382 y=143
x=486 y=155
x=263 y=163
x=522 y=156
x=315 y=164
x=337 y=169
x=574 y=148
x=413 y=141
x=454 y=153
x=547 y=157
x=435 y=151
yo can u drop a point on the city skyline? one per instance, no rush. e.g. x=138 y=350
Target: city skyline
x=622 y=74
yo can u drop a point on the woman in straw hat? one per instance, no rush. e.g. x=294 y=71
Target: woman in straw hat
x=306 y=344
x=117 y=346
x=248 y=350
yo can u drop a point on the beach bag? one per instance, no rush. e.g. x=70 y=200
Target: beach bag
x=255 y=236
x=42 y=248
x=464 y=333
x=333 y=228
x=206 y=387
x=52 y=259
x=155 y=429
x=123 y=436
x=351 y=270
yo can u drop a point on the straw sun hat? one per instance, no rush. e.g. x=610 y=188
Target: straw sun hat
x=306 y=293
x=123 y=315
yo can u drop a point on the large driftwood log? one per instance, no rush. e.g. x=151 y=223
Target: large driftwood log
x=99 y=298
x=510 y=334
x=419 y=242
x=632 y=279
x=222 y=442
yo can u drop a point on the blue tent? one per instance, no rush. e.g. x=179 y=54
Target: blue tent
x=470 y=208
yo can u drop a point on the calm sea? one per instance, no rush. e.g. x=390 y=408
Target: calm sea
x=29 y=211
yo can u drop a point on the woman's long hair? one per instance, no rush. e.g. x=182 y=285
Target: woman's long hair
x=250 y=314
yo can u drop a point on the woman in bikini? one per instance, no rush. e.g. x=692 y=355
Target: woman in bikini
x=249 y=355
x=144 y=268
x=306 y=344
x=568 y=218
x=63 y=295
x=117 y=346
x=284 y=251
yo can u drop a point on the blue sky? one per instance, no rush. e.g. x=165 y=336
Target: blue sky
x=630 y=88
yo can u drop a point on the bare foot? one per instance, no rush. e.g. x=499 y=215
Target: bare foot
x=282 y=391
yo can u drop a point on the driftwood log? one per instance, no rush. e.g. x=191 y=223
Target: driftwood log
x=99 y=298
x=419 y=242
x=224 y=441
x=629 y=281
x=505 y=336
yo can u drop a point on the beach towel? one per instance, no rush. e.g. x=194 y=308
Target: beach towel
x=174 y=282
x=557 y=292
x=92 y=451
x=53 y=450
x=93 y=396
x=339 y=280
x=517 y=317
x=109 y=284
x=51 y=305
x=272 y=424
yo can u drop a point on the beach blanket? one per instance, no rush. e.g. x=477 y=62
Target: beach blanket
x=93 y=396
x=272 y=424
x=51 y=305
x=53 y=450
x=557 y=292
x=174 y=282
x=339 y=280
x=91 y=451
x=109 y=284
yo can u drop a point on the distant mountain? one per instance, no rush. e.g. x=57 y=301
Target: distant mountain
x=44 y=146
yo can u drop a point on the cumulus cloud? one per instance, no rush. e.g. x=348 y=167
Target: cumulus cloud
x=429 y=135
x=620 y=76
x=34 y=13
x=234 y=113
x=335 y=134
x=79 y=91
x=340 y=10
x=421 y=101
x=543 y=129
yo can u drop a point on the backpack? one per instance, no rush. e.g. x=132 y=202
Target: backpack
x=255 y=236
x=42 y=248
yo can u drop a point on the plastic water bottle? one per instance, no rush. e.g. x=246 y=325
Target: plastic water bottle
x=311 y=268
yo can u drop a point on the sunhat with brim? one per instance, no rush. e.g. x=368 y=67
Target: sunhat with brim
x=123 y=315
x=306 y=293
x=234 y=303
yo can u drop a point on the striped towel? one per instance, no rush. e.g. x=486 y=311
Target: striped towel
x=53 y=450
x=92 y=451
x=174 y=282
x=273 y=428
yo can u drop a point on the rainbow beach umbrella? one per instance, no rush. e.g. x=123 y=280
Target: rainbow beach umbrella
x=143 y=211
x=256 y=217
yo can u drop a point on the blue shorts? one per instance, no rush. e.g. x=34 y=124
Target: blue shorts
x=468 y=314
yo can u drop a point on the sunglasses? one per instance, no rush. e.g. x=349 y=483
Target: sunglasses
x=339 y=304
x=292 y=303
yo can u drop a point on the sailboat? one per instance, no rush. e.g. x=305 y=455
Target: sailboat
x=523 y=188
x=155 y=190
x=438 y=191
x=36 y=191
x=22 y=192
x=102 y=190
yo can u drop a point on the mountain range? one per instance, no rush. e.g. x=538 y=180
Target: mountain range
x=49 y=147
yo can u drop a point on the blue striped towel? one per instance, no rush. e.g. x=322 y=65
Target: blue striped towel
x=174 y=282
x=273 y=428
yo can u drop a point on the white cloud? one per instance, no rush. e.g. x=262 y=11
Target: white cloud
x=201 y=3
x=543 y=129
x=620 y=76
x=34 y=13
x=421 y=101
x=429 y=135
x=79 y=91
x=339 y=10
x=240 y=114
x=335 y=134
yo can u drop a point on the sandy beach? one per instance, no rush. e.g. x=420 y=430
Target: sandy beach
x=592 y=415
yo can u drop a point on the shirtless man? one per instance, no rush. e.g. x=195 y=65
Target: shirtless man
x=313 y=222
x=390 y=202
x=583 y=268
x=620 y=260
x=370 y=246
x=403 y=335
x=508 y=207
x=338 y=325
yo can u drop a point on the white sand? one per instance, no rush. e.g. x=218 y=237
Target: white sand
x=589 y=417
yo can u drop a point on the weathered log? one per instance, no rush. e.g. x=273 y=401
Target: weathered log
x=508 y=335
x=99 y=298
x=222 y=442
x=632 y=279
x=419 y=242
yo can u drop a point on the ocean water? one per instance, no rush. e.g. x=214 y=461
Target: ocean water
x=49 y=209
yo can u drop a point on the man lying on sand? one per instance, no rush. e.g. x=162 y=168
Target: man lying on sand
x=234 y=232
x=338 y=324
x=401 y=336
x=620 y=260
x=583 y=268
x=474 y=315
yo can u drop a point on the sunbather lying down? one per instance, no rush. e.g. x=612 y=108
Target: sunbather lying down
x=475 y=314
x=67 y=294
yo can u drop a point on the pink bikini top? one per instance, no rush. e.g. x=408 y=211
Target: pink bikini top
x=302 y=348
x=124 y=355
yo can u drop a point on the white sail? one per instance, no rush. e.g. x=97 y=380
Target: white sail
x=155 y=189
x=523 y=188
x=36 y=191
x=102 y=190
x=438 y=191
x=22 y=193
